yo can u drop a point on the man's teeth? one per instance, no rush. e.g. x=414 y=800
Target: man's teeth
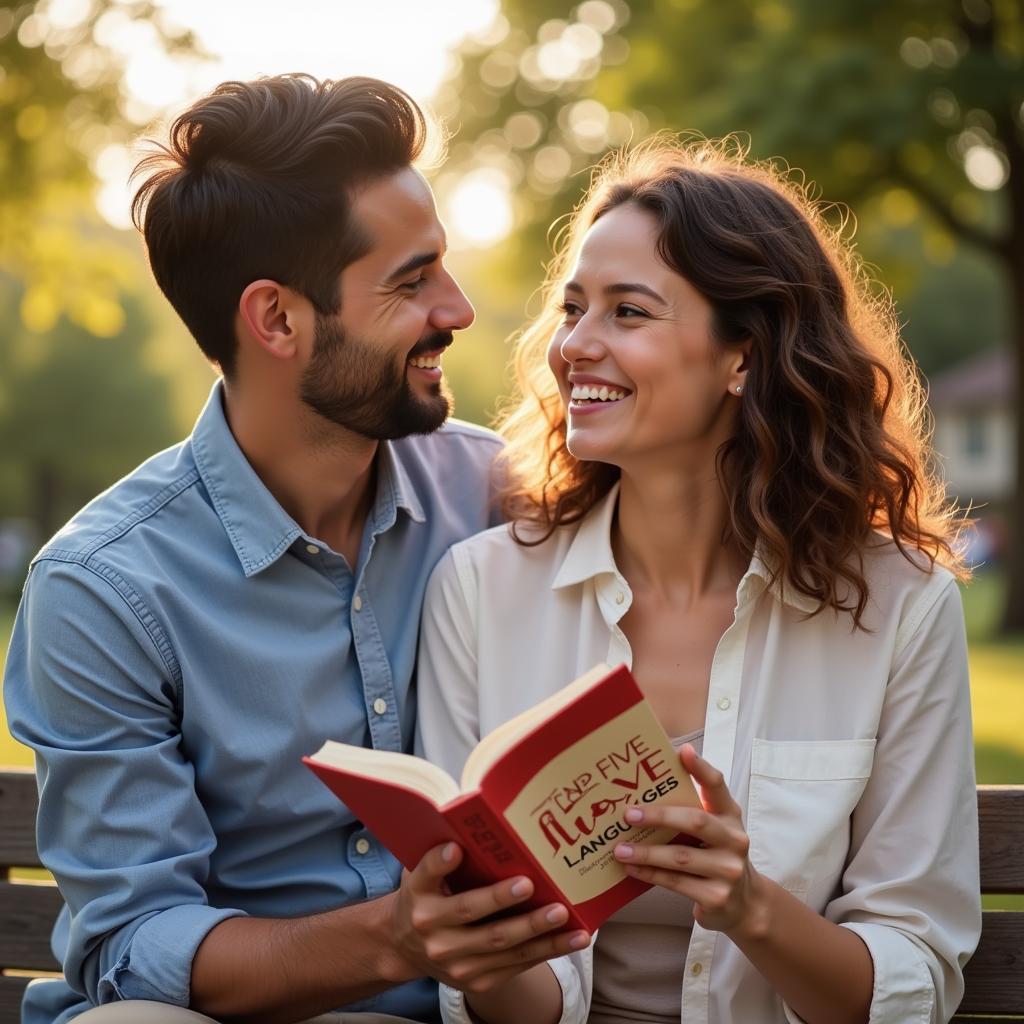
x=602 y=393
x=426 y=362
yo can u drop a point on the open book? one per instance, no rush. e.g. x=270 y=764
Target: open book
x=543 y=795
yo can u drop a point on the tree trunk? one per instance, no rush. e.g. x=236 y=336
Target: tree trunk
x=1013 y=612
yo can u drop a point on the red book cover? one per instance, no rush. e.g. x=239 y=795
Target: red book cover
x=544 y=796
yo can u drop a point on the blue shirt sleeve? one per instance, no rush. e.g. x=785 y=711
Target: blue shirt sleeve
x=91 y=684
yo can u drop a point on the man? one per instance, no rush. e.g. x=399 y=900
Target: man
x=238 y=599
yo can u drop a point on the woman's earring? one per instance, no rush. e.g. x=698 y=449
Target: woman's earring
x=739 y=389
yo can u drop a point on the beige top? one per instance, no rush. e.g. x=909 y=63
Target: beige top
x=848 y=751
x=640 y=953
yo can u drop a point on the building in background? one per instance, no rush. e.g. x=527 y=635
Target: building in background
x=973 y=406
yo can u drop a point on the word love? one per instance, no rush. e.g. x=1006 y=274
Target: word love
x=619 y=777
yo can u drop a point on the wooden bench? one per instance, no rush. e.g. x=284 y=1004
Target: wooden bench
x=995 y=975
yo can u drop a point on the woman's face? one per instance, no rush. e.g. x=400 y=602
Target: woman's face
x=637 y=367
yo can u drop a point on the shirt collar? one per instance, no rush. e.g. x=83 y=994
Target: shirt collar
x=394 y=488
x=259 y=529
x=590 y=555
x=781 y=588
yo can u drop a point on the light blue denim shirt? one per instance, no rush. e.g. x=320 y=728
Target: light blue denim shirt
x=180 y=645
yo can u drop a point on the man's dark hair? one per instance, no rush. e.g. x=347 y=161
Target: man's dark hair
x=257 y=182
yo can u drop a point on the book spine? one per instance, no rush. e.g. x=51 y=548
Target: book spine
x=493 y=852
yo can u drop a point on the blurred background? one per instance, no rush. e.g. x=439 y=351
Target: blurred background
x=909 y=111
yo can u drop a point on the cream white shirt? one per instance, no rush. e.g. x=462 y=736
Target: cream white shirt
x=850 y=752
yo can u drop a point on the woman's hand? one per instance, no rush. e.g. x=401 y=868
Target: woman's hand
x=728 y=894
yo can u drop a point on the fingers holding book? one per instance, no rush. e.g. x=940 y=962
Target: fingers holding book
x=716 y=874
x=456 y=938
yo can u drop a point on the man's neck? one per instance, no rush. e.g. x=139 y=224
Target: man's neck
x=322 y=475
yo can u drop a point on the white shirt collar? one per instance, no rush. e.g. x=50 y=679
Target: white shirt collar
x=590 y=555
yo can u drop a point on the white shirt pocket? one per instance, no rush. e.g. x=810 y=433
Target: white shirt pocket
x=802 y=793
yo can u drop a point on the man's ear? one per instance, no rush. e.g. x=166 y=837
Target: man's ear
x=272 y=316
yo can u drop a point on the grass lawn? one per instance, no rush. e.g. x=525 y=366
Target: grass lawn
x=997 y=685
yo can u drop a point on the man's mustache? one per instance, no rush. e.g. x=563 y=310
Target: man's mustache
x=433 y=343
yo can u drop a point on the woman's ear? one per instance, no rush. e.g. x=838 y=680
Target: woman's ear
x=738 y=365
x=270 y=316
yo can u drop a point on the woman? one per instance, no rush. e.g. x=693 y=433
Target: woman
x=721 y=478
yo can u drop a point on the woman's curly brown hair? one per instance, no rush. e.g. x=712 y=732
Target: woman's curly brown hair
x=832 y=446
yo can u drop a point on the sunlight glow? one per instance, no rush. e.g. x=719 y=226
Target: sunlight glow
x=478 y=210
x=986 y=168
x=112 y=165
x=402 y=41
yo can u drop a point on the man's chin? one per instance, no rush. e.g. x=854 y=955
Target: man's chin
x=416 y=416
x=431 y=414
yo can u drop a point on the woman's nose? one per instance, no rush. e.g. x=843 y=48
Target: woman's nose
x=582 y=342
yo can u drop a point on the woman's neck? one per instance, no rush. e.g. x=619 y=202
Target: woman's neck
x=670 y=536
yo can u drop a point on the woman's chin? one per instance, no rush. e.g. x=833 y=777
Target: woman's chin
x=590 y=450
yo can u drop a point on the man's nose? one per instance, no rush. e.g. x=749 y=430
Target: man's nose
x=454 y=312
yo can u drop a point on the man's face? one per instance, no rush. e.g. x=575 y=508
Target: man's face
x=376 y=366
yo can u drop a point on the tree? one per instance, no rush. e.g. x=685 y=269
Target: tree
x=889 y=105
x=78 y=413
x=63 y=106
x=80 y=402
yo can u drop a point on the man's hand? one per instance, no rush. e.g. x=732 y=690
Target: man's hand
x=440 y=935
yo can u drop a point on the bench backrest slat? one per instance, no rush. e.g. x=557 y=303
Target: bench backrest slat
x=27 y=911
x=11 y=991
x=994 y=976
x=18 y=800
x=1001 y=823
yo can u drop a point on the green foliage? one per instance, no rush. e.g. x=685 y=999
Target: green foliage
x=85 y=393
x=879 y=102
x=61 y=106
x=76 y=413
x=953 y=310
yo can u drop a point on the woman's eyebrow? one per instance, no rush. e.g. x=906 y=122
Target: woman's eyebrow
x=618 y=289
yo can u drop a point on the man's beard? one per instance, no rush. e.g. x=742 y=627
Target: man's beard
x=353 y=384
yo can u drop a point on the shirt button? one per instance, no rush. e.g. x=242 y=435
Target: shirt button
x=362 y=846
x=724 y=703
x=357 y=603
x=620 y=597
x=696 y=969
x=380 y=705
x=312 y=549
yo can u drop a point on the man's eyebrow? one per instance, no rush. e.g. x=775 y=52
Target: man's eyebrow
x=423 y=259
x=618 y=289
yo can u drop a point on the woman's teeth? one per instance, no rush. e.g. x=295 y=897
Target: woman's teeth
x=426 y=362
x=602 y=393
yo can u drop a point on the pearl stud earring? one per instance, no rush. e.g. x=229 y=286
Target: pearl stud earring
x=739 y=389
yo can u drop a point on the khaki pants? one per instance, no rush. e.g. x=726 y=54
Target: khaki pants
x=140 y=1011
